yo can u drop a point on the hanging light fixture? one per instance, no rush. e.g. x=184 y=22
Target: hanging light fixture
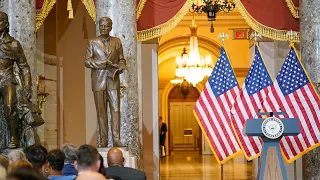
x=192 y=67
x=212 y=7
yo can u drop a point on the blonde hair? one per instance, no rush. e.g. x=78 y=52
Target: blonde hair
x=19 y=164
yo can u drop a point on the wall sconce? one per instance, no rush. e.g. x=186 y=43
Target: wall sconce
x=41 y=91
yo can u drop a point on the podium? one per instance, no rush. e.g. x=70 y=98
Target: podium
x=271 y=130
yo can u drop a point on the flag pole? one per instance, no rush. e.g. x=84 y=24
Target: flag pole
x=292 y=35
x=255 y=35
x=222 y=36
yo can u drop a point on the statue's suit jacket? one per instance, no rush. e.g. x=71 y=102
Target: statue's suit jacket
x=102 y=59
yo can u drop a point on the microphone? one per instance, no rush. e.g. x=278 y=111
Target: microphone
x=257 y=113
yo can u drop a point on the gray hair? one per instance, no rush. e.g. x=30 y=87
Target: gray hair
x=70 y=152
x=16 y=155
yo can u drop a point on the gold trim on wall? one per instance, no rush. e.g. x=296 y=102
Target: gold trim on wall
x=91 y=8
x=140 y=8
x=266 y=31
x=42 y=13
x=295 y=11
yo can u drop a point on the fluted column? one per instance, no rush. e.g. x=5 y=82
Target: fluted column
x=123 y=15
x=310 y=47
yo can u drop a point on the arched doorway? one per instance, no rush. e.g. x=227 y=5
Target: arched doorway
x=183 y=130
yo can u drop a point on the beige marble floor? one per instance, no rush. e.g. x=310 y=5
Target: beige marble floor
x=193 y=166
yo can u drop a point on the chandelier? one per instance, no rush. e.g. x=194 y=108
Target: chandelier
x=192 y=67
x=212 y=7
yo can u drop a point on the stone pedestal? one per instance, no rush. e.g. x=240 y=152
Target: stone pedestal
x=129 y=159
x=123 y=15
x=310 y=47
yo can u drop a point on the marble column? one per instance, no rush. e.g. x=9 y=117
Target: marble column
x=310 y=48
x=123 y=15
x=22 y=19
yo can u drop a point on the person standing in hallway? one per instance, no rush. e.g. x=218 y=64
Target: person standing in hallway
x=163 y=131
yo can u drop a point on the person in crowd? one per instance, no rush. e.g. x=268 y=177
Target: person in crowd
x=3 y=173
x=163 y=130
x=25 y=173
x=102 y=169
x=87 y=159
x=4 y=162
x=37 y=156
x=16 y=155
x=70 y=152
x=56 y=160
x=90 y=175
x=116 y=169
x=19 y=164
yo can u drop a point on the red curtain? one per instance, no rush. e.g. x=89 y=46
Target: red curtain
x=157 y=12
x=272 y=13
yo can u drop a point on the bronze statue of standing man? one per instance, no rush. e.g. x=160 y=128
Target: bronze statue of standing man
x=105 y=58
x=11 y=52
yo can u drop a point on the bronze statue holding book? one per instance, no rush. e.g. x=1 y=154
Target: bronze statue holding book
x=105 y=58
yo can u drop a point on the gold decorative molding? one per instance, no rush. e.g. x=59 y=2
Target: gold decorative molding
x=91 y=8
x=140 y=8
x=203 y=42
x=295 y=11
x=266 y=31
x=42 y=13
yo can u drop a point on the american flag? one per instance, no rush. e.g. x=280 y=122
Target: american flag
x=249 y=102
x=293 y=93
x=212 y=109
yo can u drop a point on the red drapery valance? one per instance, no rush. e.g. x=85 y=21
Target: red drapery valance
x=270 y=18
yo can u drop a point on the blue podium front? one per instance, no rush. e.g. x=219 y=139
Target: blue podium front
x=271 y=130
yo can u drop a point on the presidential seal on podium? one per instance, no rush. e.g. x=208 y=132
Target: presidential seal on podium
x=272 y=128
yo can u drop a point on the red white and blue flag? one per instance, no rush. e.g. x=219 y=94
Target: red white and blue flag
x=213 y=107
x=294 y=93
x=249 y=102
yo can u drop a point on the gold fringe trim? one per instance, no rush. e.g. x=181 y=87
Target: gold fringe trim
x=91 y=8
x=161 y=29
x=295 y=11
x=266 y=31
x=140 y=8
x=43 y=12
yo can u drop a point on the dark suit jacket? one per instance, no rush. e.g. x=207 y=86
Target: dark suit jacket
x=99 y=58
x=125 y=173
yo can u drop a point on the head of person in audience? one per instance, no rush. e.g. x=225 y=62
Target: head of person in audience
x=91 y=175
x=55 y=164
x=115 y=157
x=25 y=173
x=70 y=152
x=4 y=162
x=37 y=156
x=19 y=164
x=16 y=155
x=3 y=173
x=87 y=159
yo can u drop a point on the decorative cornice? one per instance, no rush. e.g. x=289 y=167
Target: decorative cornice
x=42 y=13
x=203 y=42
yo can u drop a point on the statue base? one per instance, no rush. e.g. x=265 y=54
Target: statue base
x=129 y=160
